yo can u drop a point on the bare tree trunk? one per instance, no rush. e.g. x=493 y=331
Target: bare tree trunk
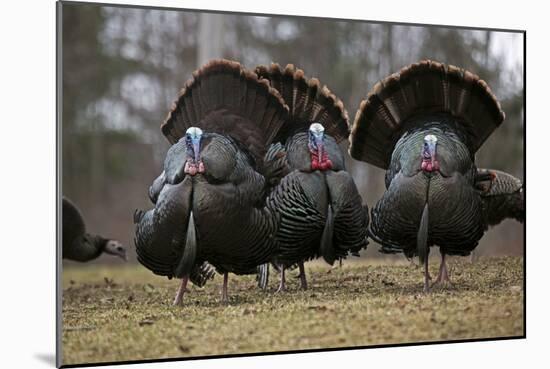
x=487 y=48
x=97 y=159
x=210 y=40
x=389 y=46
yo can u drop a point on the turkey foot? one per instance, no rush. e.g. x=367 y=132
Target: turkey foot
x=282 y=286
x=178 y=300
x=416 y=266
x=224 y=288
x=443 y=276
x=303 y=280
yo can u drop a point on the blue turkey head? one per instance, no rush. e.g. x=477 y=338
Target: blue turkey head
x=429 y=154
x=193 y=137
x=316 y=140
x=316 y=137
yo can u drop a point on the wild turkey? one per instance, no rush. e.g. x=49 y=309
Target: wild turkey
x=209 y=200
x=318 y=206
x=502 y=196
x=78 y=245
x=424 y=126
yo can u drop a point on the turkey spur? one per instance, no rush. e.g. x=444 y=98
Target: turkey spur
x=424 y=125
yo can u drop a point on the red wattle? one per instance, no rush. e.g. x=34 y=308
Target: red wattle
x=201 y=167
x=324 y=164
x=190 y=168
x=314 y=164
x=427 y=166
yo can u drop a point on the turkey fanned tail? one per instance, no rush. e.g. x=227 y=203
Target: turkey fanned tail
x=420 y=89
x=225 y=98
x=308 y=102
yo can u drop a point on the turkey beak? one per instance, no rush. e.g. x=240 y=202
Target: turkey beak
x=121 y=252
x=116 y=248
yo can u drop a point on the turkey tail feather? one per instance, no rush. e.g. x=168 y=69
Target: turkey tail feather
x=327 y=248
x=263 y=276
x=187 y=261
x=308 y=102
x=201 y=274
x=422 y=236
x=223 y=97
x=426 y=87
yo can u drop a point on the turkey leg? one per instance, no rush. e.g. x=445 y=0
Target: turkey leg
x=178 y=300
x=427 y=276
x=282 y=286
x=443 y=276
x=224 y=287
x=303 y=280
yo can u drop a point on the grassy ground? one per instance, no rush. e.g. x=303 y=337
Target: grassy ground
x=125 y=313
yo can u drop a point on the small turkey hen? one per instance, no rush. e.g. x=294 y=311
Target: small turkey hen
x=424 y=125
x=210 y=198
x=79 y=245
x=317 y=204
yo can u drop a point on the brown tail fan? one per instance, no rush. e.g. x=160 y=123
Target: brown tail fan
x=424 y=87
x=307 y=100
x=224 y=97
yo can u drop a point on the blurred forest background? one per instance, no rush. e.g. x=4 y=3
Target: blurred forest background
x=122 y=68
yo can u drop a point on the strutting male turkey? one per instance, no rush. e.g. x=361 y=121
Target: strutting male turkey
x=424 y=125
x=79 y=245
x=317 y=203
x=210 y=198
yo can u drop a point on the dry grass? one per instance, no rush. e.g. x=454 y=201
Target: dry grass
x=125 y=313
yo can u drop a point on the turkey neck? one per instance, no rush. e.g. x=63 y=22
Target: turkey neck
x=88 y=247
x=299 y=156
